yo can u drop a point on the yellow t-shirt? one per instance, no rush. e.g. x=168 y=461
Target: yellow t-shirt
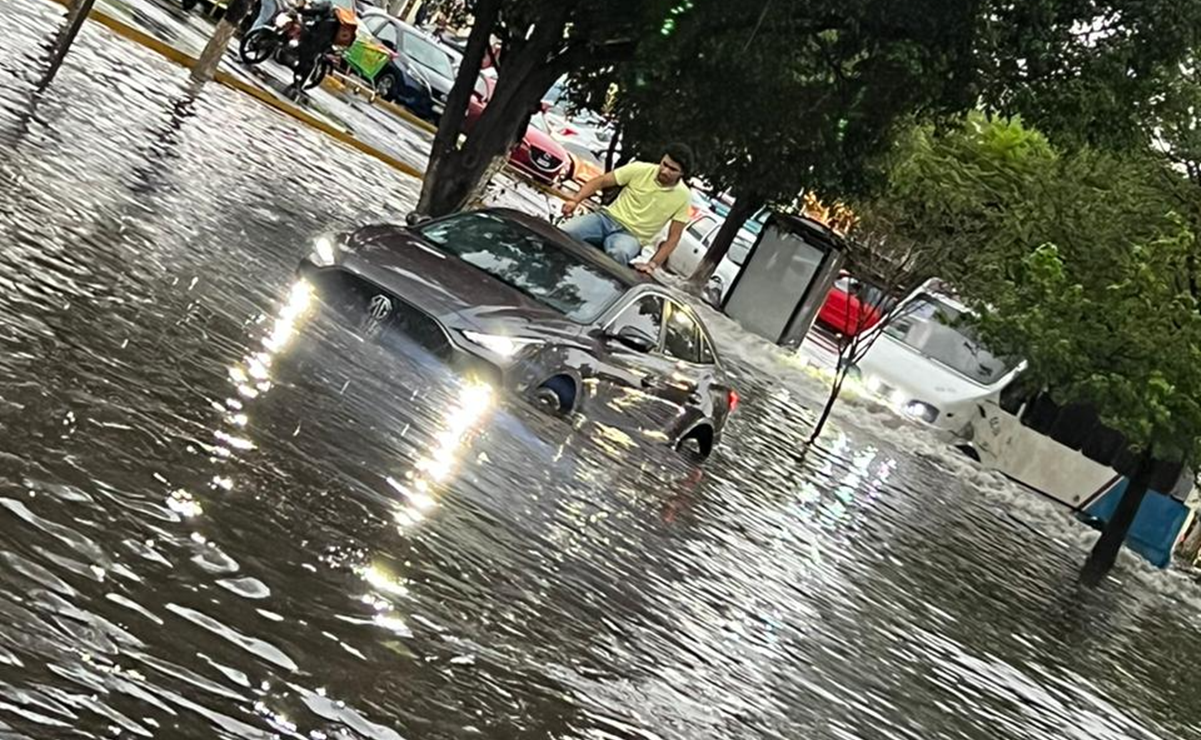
x=644 y=206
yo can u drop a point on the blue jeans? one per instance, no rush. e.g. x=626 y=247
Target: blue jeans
x=601 y=230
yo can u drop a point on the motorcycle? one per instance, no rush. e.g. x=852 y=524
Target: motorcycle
x=280 y=40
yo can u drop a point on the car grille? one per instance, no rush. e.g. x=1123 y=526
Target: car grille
x=545 y=160
x=378 y=311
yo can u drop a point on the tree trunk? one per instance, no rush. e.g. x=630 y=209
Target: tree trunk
x=441 y=176
x=840 y=377
x=455 y=173
x=744 y=207
x=66 y=38
x=611 y=152
x=210 y=58
x=1105 y=552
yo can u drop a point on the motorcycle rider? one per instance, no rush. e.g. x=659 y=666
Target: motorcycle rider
x=321 y=25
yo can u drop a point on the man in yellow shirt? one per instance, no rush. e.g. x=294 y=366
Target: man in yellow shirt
x=651 y=196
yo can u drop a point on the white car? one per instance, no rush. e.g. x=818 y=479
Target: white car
x=695 y=242
x=927 y=366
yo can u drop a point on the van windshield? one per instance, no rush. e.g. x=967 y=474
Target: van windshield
x=935 y=329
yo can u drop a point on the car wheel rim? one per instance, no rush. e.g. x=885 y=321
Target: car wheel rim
x=548 y=399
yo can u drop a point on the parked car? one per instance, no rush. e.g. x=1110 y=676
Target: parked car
x=928 y=365
x=538 y=312
x=698 y=236
x=418 y=74
x=537 y=155
x=852 y=306
x=584 y=164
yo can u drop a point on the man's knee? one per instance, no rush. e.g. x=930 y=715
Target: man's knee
x=623 y=248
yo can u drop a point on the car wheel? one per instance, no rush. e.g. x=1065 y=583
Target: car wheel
x=556 y=396
x=697 y=444
x=387 y=84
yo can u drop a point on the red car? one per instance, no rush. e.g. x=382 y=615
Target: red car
x=852 y=307
x=537 y=154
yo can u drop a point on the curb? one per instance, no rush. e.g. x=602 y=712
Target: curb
x=231 y=81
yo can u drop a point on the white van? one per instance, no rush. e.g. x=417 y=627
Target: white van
x=927 y=366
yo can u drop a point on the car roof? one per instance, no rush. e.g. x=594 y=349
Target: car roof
x=586 y=253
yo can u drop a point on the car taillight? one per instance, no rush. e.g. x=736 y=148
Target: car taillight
x=734 y=400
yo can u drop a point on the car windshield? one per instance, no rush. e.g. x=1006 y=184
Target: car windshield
x=935 y=329
x=427 y=55
x=521 y=258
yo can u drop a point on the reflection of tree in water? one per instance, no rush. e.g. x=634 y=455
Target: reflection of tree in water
x=526 y=261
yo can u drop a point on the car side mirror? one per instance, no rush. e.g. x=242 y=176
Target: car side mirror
x=635 y=338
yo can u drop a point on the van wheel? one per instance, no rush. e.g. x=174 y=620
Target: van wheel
x=556 y=396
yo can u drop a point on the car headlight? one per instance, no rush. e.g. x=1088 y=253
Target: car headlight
x=325 y=252
x=499 y=344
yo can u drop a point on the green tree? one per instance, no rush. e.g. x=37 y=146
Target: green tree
x=952 y=204
x=540 y=40
x=1129 y=346
x=785 y=95
x=1074 y=261
x=1084 y=73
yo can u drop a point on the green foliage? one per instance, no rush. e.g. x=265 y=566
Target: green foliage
x=1130 y=345
x=1084 y=71
x=1074 y=259
x=780 y=95
x=973 y=200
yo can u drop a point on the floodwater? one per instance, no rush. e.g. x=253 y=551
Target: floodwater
x=223 y=514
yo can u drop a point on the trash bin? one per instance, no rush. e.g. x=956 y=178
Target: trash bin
x=785 y=278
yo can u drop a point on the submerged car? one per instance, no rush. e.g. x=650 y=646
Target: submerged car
x=538 y=313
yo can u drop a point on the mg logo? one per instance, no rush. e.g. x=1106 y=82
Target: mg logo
x=379 y=308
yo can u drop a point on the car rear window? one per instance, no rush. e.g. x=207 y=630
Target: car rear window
x=521 y=258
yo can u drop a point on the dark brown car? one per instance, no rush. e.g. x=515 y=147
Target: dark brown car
x=547 y=317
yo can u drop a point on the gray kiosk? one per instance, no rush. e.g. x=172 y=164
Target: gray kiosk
x=785 y=278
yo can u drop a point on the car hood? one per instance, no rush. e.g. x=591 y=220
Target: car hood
x=457 y=294
x=903 y=370
x=536 y=137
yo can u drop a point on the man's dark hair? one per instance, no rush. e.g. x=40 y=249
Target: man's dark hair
x=681 y=154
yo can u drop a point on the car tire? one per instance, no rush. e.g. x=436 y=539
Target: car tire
x=387 y=85
x=556 y=396
x=256 y=47
x=697 y=444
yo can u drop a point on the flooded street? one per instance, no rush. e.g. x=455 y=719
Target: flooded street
x=225 y=514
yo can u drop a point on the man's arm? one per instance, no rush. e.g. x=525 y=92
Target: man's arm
x=603 y=182
x=674 y=232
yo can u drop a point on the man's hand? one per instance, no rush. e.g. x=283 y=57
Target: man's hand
x=648 y=267
x=569 y=208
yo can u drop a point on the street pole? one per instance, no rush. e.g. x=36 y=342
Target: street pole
x=75 y=19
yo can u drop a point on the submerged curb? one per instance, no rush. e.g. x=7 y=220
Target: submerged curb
x=233 y=82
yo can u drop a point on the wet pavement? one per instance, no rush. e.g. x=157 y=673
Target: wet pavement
x=225 y=514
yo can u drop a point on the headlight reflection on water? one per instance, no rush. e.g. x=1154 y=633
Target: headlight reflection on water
x=252 y=376
x=459 y=422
